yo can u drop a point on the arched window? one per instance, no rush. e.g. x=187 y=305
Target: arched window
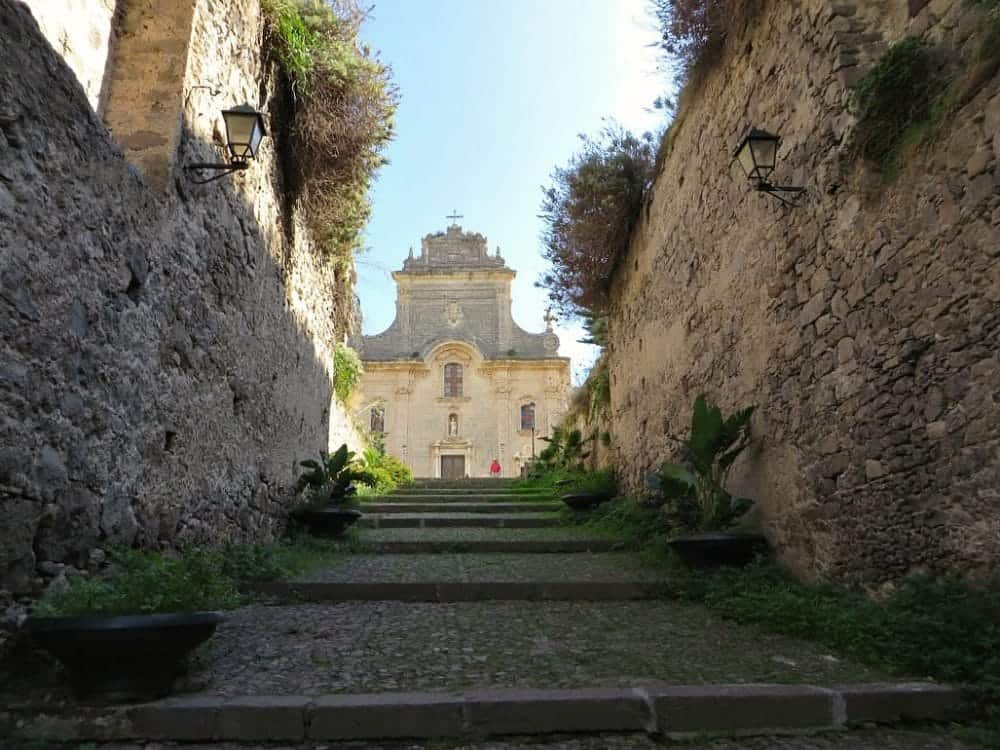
x=378 y=419
x=528 y=416
x=453 y=380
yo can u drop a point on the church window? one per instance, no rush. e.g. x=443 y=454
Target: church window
x=527 y=416
x=453 y=380
x=378 y=420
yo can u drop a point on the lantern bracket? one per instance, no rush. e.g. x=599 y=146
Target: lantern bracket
x=224 y=169
x=774 y=190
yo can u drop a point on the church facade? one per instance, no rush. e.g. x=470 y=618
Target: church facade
x=454 y=382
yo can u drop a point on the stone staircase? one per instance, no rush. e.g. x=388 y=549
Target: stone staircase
x=447 y=504
x=444 y=625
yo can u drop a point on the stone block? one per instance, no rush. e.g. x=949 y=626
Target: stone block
x=182 y=719
x=724 y=708
x=346 y=717
x=906 y=701
x=545 y=711
x=262 y=718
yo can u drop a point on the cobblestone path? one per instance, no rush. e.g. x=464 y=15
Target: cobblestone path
x=859 y=740
x=508 y=661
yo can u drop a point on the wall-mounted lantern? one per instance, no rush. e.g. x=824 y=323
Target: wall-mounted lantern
x=758 y=154
x=244 y=132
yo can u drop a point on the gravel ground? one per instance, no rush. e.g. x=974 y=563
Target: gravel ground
x=469 y=535
x=486 y=567
x=864 y=740
x=390 y=646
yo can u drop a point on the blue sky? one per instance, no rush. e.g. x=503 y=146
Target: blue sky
x=493 y=96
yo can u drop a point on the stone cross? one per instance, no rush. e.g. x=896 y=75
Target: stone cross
x=548 y=318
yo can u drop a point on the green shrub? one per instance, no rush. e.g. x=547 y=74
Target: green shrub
x=695 y=489
x=894 y=102
x=598 y=385
x=332 y=479
x=389 y=471
x=563 y=455
x=588 y=215
x=347 y=371
x=343 y=103
x=147 y=583
x=602 y=481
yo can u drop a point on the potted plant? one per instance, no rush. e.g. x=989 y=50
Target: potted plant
x=696 y=499
x=328 y=488
x=125 y=636
x=589 y=490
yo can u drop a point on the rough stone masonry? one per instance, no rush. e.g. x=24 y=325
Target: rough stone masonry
x=864 y=324
x=165 y=354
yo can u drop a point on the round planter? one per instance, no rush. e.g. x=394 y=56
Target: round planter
x=123 y=658
x=330 y=523
x=585 y=500
x=718 y=548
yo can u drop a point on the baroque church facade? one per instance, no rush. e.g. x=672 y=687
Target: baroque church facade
x=454 y=382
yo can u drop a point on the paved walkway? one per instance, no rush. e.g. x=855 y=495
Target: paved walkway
x=453 y=638
x=860 y=740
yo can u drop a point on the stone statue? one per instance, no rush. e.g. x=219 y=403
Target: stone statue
x=452 y=425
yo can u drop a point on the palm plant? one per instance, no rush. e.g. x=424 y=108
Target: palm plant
x=331 y=480
x=694 y=489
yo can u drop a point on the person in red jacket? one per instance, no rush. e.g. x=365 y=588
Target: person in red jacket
x=495 y=468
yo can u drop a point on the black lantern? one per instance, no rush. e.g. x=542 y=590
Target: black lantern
x=757 y=155
x=244 y=132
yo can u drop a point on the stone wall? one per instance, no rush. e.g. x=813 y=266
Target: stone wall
x=863 y=324
x=166 y=353
x=83 y=32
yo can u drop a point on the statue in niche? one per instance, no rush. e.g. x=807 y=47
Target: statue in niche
x=452 y=425
x=378 y=419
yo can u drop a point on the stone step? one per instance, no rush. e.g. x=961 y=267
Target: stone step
x=409 y=540
x=467 y=568
x=479 y=546
x=673 y=711
x=285 y=592
x=457 y=506
x=464 y=484
x=465 y=497
x=458 y=521
x=412 y=490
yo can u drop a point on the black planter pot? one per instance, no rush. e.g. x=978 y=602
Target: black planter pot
x=126 y=658
x=585 y=500
x=719 y=548
x=330 y=523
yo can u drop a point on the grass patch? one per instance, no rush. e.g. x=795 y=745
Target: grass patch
x=191 y=580
x=147 y=583
x=287 y=559
x=941 y=629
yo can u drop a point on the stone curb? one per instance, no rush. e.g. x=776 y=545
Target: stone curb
x=462 y=507
x=456 y=591
x=465 y=497
x=482 y=521
x=677 y=710
x=528 y=546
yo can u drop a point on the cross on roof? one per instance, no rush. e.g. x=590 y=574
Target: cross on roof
x=455 y=216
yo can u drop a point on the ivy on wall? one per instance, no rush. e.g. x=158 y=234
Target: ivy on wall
x=347 y=371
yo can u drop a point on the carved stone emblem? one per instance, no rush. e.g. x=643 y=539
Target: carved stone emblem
x=454 y=313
